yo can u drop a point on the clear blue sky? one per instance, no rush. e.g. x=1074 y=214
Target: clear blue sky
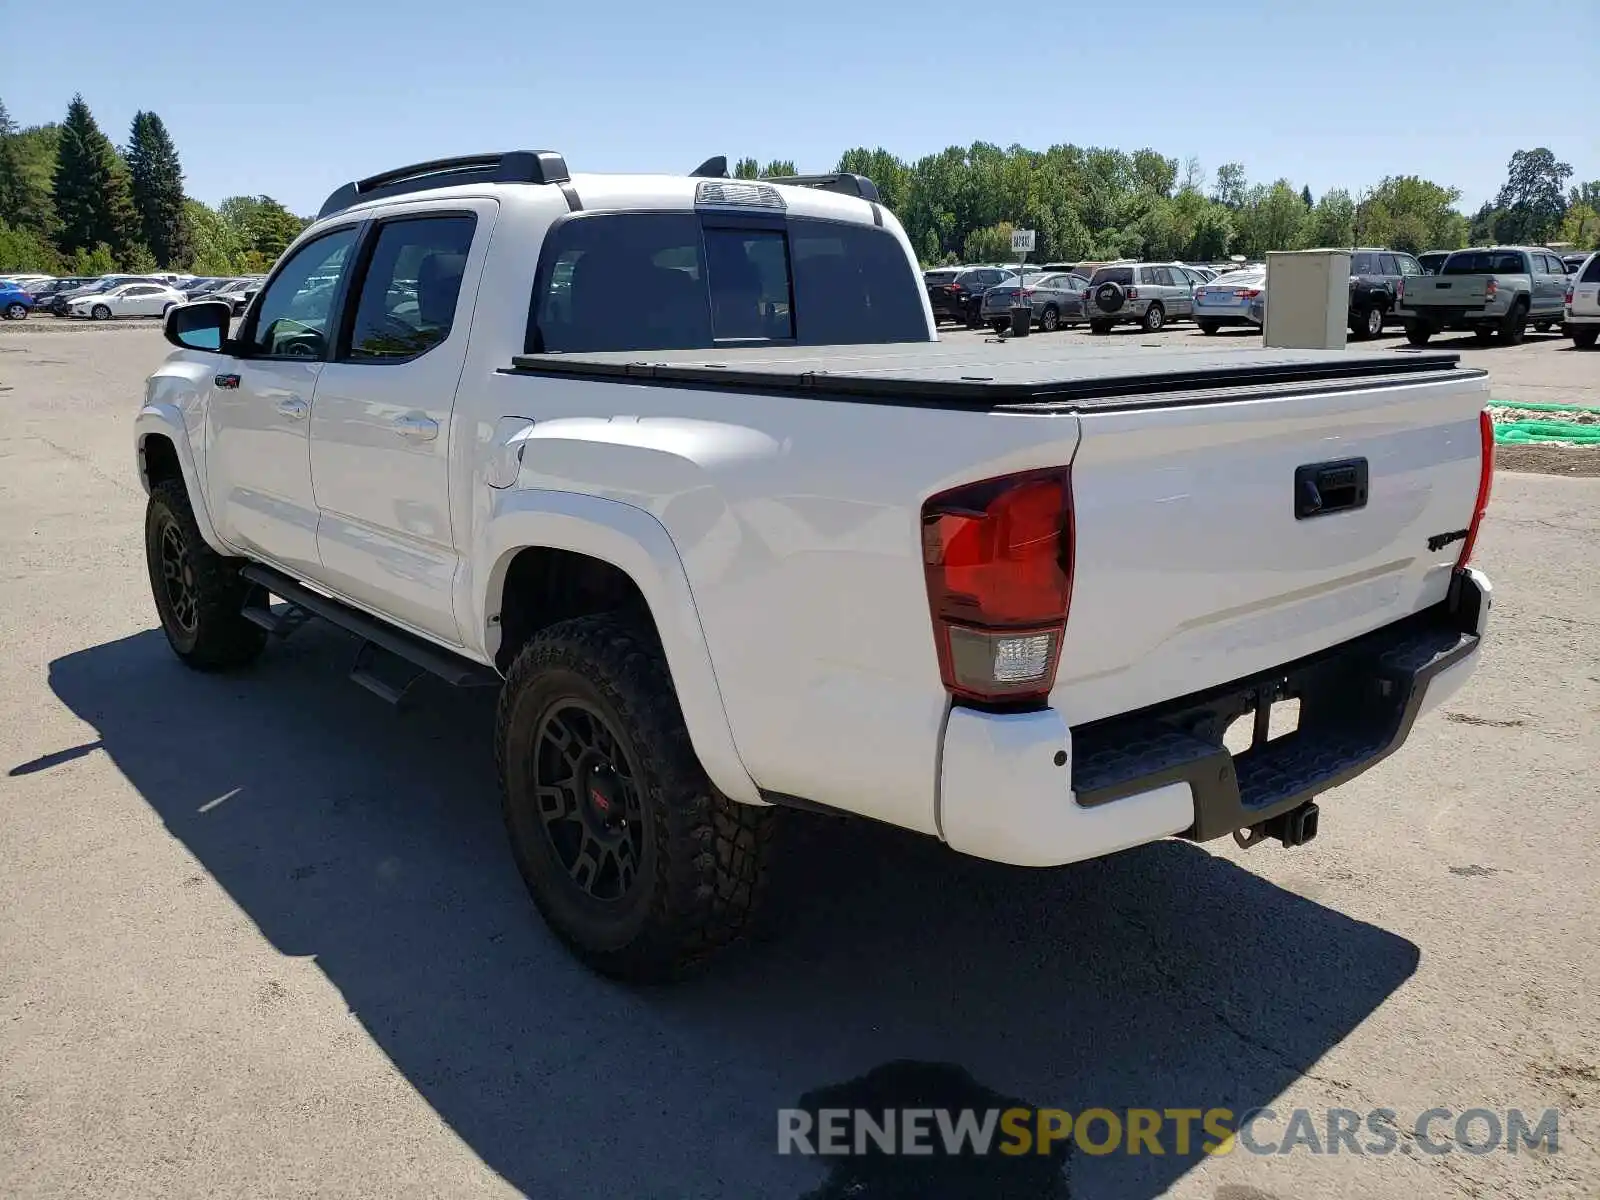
x=293 y=99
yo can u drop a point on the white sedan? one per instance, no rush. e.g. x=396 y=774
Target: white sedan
x=127 y=300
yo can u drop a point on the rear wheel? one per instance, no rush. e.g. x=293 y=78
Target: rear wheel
x=1515 y=324
x=1100 y=326
x=633 y=857
x=199 y=594
x=1542 y=326
x=1050 y=319
x=1584 y=339
x=1418 y=334
x=1154 y=318
x=1368 y=324
x=1208 y=326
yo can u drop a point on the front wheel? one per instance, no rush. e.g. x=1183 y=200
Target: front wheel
x=1154 y=318
x=633 y=857
x=199 y=594
x=1417 y=333
x=100 y=312
x=1050 y=319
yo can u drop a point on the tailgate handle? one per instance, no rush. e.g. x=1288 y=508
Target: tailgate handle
x=1330 y=487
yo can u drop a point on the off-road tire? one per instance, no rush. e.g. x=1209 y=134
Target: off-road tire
x=702 y=866
x=217 y=637
x=1515 y=325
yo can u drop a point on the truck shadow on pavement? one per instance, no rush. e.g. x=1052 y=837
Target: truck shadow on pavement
x=1162 y=977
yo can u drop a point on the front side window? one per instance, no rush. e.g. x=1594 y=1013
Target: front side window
x=1409 y=265
x=407 y=302
x=1387 y=265
x=660 y=281
x=293 y=317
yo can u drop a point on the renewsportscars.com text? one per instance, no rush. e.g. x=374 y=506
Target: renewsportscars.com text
x=1181 y=1131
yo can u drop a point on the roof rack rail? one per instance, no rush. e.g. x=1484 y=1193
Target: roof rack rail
x=514 y=166
x=837 y=181
x=715 y=167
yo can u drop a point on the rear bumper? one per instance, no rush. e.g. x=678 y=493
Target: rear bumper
x=1439 y=316
x=1023 y=788
x=1572 y=320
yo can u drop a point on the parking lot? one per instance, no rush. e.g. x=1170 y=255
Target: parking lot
x=263 y=936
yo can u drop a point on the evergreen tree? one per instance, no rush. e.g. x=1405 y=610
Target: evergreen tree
x=156 y=180
x=1305 y=195
x=7 y=125
x=93 y=203
x=24 y=205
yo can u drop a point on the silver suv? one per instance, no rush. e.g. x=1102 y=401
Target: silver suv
x=1145 y=294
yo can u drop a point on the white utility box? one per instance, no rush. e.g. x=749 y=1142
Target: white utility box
x=1308 y=299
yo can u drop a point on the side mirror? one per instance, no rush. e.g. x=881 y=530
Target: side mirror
x=201 y=325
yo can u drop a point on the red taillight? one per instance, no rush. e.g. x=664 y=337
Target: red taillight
x=1489 y=289
x=997 y=556
x=1024 y=295
x=1569 y=297
x=1086 y=295
x=1248 y=293
x=1400 y=289
x=1485 y=485
x=1133 y=293
x=956 y=287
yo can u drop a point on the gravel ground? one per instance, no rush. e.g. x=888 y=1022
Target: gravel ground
x=260 y=936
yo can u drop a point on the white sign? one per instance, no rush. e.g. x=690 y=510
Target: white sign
x=1022 y=240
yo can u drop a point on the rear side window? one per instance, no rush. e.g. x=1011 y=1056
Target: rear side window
x=412 y=282
x=1591 y=273
x=1363 y=263
x=1122 y=275
x=662 y=281
x=1388 y=265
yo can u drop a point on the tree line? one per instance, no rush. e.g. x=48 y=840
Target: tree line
x=71 y=201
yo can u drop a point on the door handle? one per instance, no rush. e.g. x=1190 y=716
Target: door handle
x=416 y=427
x=293 y=407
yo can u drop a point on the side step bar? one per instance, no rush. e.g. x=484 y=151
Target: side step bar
x=374 y=634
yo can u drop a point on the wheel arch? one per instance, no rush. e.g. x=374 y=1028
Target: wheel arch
x=557 y=555
x=162 y=452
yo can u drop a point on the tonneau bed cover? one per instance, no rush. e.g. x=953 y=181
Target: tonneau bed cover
x=1056 y=376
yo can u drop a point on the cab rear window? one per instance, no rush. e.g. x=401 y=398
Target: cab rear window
x=675 y=281
x=1484 y=262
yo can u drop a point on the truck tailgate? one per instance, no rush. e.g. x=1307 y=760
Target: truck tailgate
x=1469 y=291
x=1196 y=563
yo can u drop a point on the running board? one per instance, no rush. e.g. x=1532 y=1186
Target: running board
x=435 y=660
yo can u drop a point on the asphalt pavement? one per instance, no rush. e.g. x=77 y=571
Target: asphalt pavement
x=262 y=936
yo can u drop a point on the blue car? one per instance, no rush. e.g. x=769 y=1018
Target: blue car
x=15 y=304
x=1229 y=300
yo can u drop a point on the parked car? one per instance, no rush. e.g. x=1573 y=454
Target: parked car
x=1431 y=260
x=1199 y=273
x=27 y=281
x=1573 y=262
x=735 y=600
x=1226 y=300
x=1495 y=291
x=1580 y=319
x=16 y=302
x=236 y=293
x=1375 y=275
x=1056 y=300
x=956 y=293
x=1145 y=294
x=202 y=286
x=60 y=302
x=126 y=300
x=45 y=294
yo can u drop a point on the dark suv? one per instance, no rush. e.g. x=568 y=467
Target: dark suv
x=1375 y=273
x=956 y=293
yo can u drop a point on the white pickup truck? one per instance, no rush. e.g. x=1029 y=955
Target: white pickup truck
x=678 y=465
